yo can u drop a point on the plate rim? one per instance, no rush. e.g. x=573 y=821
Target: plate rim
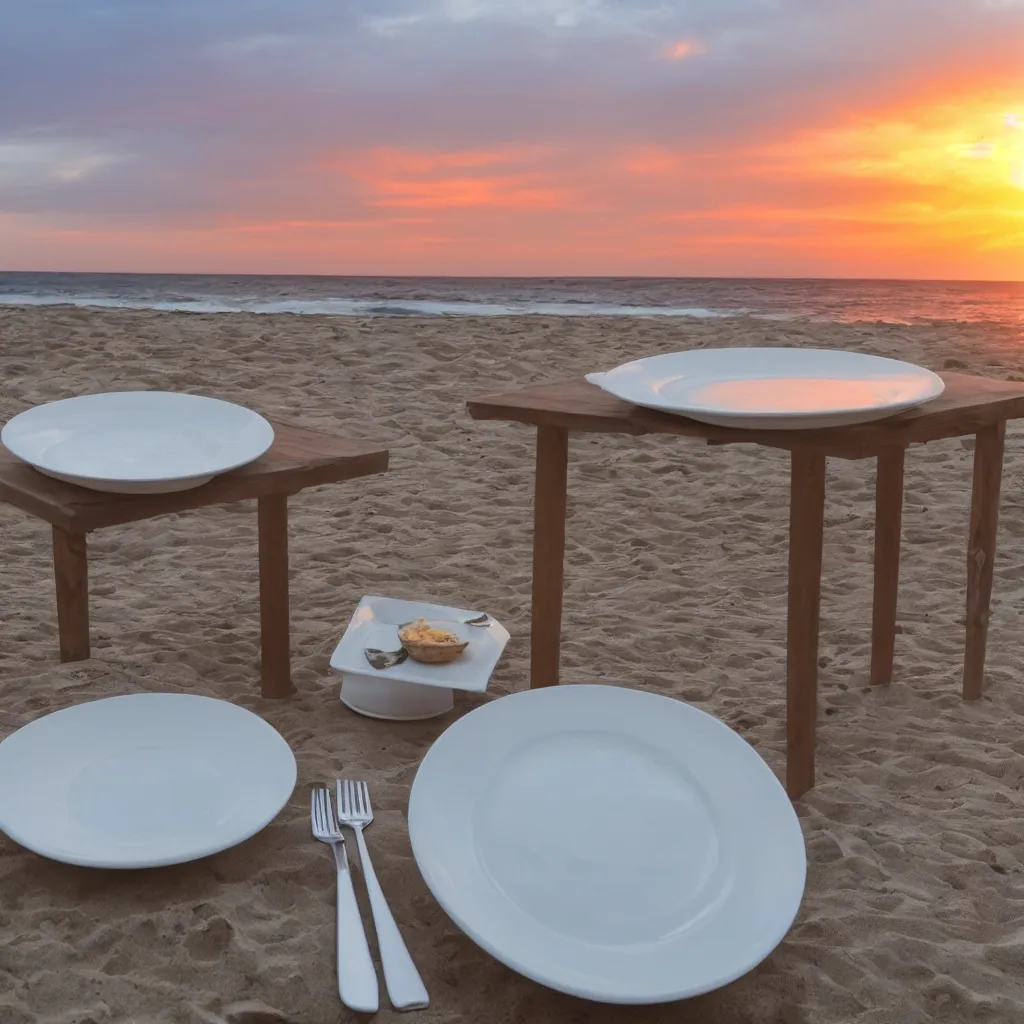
x=554 y=982
x=937 y=383
x=151 y=862
x=48 y=467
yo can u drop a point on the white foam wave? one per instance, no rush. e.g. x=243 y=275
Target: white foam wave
x=366 y=307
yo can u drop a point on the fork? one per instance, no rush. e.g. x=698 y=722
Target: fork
x=357 y=979
x=405 y=986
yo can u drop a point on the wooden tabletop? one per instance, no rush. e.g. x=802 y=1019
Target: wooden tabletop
x=968 y=404
x=297 y=459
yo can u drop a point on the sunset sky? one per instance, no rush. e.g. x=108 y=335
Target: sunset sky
x=852 y=138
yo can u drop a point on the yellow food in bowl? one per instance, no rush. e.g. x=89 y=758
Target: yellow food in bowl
x=421 y=632
x=429 y=644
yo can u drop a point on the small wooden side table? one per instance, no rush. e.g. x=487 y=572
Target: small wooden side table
x=969 y=405
x=297 y=459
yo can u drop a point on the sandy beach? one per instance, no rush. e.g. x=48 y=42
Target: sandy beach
x=914 y=909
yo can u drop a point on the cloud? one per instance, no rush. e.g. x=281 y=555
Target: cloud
x=683 y=48
x=604 y=15
x=388 y=177
x=29 y=162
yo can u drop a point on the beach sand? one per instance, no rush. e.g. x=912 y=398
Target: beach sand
x=914 y=909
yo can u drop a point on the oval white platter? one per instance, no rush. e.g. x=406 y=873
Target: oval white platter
x=772 y=388
x=610 y=843
x=143 y=780
x=138 y=442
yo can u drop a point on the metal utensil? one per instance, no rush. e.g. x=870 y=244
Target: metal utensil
x=357 y=979
x=405 y=986
x=381 y=660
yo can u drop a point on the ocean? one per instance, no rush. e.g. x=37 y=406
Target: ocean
x=904 y=302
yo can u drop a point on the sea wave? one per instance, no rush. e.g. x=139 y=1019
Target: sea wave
x=365 y=308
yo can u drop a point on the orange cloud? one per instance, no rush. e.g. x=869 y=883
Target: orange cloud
x=235 y=225
x=508 y=192
x=656 y=160
x=682 y=49
x=446 y=180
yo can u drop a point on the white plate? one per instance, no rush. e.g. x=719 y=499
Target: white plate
x=375 y=624
x=138 y=442
x=609 y=843
x=772 y=388
x=143 y=780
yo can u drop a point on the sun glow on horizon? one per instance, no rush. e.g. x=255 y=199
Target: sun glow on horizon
x=929 y=189
x=954 y=171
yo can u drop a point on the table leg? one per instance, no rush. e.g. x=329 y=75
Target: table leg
x=888 y=527
x=71 y=574
x=981 y=552
x=548 y=554
x=806 y=529
x=275 y=641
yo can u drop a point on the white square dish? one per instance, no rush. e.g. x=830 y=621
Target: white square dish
x=412 y=690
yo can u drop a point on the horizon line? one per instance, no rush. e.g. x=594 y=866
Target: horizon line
x=529 y=277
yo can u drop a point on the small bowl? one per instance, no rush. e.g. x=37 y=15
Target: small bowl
x=435 y=654
x=430 y=652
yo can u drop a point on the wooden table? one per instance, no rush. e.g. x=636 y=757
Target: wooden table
x=297 y=459
x=969 y=405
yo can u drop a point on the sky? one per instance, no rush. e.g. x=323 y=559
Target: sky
x=779 y=138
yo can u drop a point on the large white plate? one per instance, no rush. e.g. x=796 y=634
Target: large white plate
x=138 y=442
x=772 y=388
x=142 y=780
x=609 y=843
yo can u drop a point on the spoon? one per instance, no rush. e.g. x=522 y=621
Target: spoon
x=381 y=660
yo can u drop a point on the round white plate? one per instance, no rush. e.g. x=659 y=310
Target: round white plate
x=772 y=388
x=142 y=781
x=138 y=442
x=609 y=843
